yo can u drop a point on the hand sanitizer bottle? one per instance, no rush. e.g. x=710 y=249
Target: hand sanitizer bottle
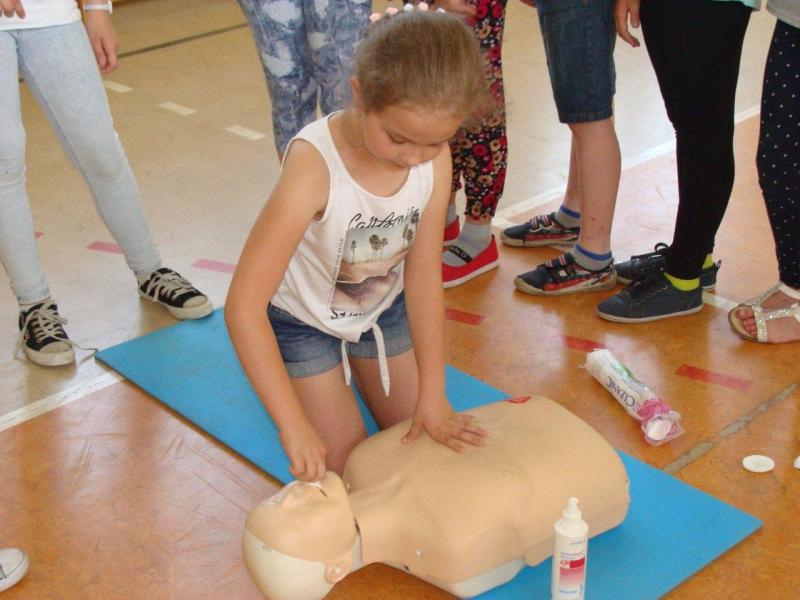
x=569 y=554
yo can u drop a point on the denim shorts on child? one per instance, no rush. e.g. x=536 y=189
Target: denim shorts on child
x=579 y=38
x=307 y=351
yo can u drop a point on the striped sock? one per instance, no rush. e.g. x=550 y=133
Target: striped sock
x=590 y=260
x=568 y=218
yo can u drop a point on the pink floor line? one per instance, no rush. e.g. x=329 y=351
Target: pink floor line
x=214 y=265
x=728 y=381
x=104 y=247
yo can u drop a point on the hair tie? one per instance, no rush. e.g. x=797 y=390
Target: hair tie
x=408 y=7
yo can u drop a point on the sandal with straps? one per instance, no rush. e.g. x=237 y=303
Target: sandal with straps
x=763 y=315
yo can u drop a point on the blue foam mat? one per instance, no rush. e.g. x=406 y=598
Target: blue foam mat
x=671 y=532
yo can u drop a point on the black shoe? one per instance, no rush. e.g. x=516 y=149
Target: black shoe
x=42 y=336
x=166 y=287
x=643 y=265
x=650 y=299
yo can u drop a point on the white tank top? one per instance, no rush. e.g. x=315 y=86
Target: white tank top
x=43 y=13
x=348 y=268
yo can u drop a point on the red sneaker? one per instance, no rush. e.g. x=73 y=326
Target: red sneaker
x=487 y=260
x=451 y=232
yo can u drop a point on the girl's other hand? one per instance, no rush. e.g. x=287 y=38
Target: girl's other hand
x=10 y=8
x=445 y=426
x=625 y=11
x=103 y=39
x=306 y=452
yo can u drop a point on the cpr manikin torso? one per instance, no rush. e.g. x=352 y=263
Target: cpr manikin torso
x=464 y=522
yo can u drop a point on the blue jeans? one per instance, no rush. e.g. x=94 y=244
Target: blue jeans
x=579 y=37
x=60 y=69
x=307 y=351
x=306 y=48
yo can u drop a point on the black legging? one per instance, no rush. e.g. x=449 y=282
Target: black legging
x=779 y=150
x=695 y=47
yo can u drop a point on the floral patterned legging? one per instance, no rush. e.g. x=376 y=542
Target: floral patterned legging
x=480 y=150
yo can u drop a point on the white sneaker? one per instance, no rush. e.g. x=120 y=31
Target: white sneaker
x=13 y=566
x=166 y=287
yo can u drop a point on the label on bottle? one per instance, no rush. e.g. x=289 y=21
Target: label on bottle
x=571 y=575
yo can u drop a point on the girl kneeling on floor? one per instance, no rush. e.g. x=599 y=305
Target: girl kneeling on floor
x=357 y=212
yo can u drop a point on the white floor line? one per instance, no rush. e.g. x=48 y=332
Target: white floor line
x=245 y=132
x=531 y=204
x=720 y=302
x=178 y=108
x=116 y=87
x=34 y=409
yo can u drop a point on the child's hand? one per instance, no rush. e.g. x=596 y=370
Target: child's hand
x=305 y=450
x=444 y=425
x=12 y=7
x=458 y=7
x=103 y=38
x=625 y=10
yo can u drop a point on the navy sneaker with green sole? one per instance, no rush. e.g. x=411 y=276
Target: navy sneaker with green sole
x=643 y=265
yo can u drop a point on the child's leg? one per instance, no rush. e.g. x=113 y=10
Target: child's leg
x=59 y=67
x=279 y=33
x=403 y=374
x=480 y=155
x=331 y=407
x=778 y=156
x=579 y=39
x=333 y=31
x=698 y=84
x=598 y=169
x=17 y=238
x=399 y=405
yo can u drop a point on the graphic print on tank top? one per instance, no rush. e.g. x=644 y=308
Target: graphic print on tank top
x=372 y=254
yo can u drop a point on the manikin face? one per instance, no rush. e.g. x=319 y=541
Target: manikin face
x=404 y=136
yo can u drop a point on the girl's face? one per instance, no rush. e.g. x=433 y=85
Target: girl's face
x=404 y=136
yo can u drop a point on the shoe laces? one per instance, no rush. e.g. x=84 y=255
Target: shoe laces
x=660 y=250
x=47 y=323
x=652 y=284
x=167 y=283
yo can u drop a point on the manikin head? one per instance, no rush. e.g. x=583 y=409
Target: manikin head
x=298 y=543
x=418 y=75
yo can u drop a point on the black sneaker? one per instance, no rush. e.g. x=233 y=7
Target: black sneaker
x=650 y=299
x=541 y=230
x=643 y=265
x=42 y=336
x=181 y=298
x=563 y=275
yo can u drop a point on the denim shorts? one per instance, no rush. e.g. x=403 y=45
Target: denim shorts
x=579 y=37
x=307 y=351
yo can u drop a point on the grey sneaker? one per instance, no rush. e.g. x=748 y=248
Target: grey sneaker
x=13 y=566
x=650 y=299
x=643 y=265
